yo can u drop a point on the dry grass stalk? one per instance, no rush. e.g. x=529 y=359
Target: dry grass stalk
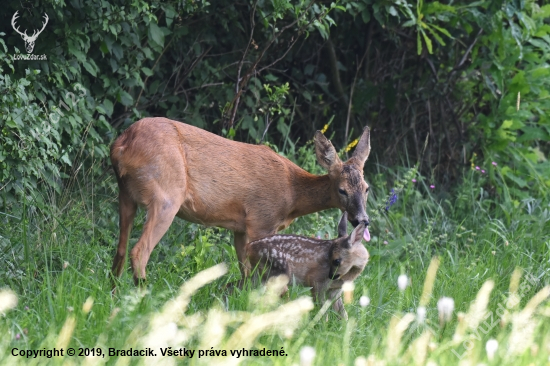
x=396 y=329
x=477 y=312
x=429 y=282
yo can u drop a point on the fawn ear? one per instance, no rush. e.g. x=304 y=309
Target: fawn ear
x=362 y=151
x=343 y=225
x=357 y=235
x=326 y=153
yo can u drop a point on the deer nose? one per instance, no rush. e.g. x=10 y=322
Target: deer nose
x=356 y=222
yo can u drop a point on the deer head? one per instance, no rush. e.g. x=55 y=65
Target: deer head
x=349 y=189
x=348 y=256
x=29 y=40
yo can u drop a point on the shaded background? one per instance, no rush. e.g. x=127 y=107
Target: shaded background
x=276 y=71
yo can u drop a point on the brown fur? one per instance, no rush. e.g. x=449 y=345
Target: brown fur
x=312 y=262
x=174 y=169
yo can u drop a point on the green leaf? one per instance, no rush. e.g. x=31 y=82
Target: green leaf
x=541 y=71
x=103 y=47
x=428 y=42
x=437 y=37
x=66 y=160
x=155 y=34
x=76 y=52
x=108 y=106
x=442 y=30
x=147 y=71
x=89 y=68
x=125 y=98
x=170 y=14
x=508 y=174
x=542 y=30
x=543 y=13
x=507 y=124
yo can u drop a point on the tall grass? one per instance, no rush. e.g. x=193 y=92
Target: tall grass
x=492 y=260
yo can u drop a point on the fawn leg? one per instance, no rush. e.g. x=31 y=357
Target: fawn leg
x=338 y=305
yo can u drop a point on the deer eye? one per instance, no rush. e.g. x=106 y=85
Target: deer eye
x=367 y=190
x=342 y=192
x=336 y=262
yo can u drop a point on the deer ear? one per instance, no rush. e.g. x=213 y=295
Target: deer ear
x=343 y=225
x=362 y=151
x=326 y=153
x=357 y=234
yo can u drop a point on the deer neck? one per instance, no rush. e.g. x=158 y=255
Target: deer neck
x=312 y=193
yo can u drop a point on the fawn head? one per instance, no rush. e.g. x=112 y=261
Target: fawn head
x=346 y=256
x=348 y=188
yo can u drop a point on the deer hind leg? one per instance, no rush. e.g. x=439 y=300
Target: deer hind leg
x=160 y=214
x=127 y=212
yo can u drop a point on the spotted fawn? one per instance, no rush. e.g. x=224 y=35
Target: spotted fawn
x=323 y=265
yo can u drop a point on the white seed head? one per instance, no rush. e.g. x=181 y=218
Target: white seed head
x=307 y=354
x=402 y=282
x=8 y=300
x=87 y=306
x=445 y=307
x=348 y=288
x=421 y=314
x=491 y=347
x=364 y=301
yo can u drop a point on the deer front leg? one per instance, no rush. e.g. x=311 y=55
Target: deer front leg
x=338 y=305
x=240 y=241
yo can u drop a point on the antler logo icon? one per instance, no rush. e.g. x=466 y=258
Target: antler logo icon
x=29 y=40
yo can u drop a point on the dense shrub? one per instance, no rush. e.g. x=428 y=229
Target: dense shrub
x=474 y=75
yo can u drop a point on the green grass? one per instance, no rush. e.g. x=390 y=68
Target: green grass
x=57 y=252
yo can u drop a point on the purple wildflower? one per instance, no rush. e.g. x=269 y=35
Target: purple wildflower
x=391 y=200
x=482 y=171
x=432 y=186
x=494 y=163
x=17 y=336
x=477 y=168
x=414 y=180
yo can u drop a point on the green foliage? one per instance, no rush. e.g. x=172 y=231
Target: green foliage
x=477 y=237
x=453 y=70
x=36 y=145
x=517 y=78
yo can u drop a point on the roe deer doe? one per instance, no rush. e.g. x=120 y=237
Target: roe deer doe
x=174 y=169
x=323 y=265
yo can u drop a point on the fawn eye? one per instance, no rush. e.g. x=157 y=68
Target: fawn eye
x=336 y=262
x=342 y=192
x=367 y=190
